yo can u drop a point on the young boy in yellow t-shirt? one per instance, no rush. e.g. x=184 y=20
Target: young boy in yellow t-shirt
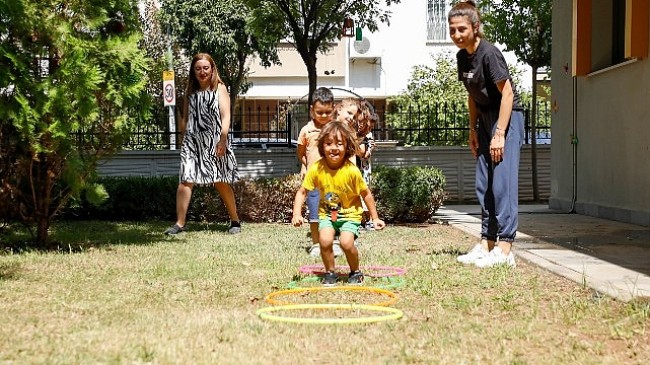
x=342 y=187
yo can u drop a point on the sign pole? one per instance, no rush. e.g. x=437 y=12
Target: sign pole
x=169 y=91
x=169 y=94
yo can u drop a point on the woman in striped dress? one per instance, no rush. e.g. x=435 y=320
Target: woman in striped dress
x=206 y=155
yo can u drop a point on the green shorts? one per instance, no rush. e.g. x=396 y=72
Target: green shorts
x=340 y=226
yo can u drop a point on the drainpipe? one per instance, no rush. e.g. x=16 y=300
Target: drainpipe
x=574 y=144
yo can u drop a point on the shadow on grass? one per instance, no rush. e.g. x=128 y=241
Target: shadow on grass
x=79 y=236
x=209 y=227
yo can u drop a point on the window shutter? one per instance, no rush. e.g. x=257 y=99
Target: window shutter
x=636 y=28
x=581 y=38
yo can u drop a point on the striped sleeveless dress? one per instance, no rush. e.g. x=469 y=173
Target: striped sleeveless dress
x=199 y=162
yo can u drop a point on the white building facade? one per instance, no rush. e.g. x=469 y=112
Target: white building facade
x=376 y=67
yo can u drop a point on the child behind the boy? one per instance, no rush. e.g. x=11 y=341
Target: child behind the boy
x=367 y=121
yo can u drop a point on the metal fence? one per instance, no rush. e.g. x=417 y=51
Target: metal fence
x=434 y=125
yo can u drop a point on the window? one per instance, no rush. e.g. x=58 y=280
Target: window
x=607 y=33
x=437 y=21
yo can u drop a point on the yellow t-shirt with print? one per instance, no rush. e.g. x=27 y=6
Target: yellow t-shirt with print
x=347 y=182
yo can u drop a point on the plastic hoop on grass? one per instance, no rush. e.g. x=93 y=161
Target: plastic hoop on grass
x=265 y=313
x=391 y=282
x=393 y=297
x=319 y=269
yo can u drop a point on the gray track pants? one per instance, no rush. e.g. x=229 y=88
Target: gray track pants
x=497 y=184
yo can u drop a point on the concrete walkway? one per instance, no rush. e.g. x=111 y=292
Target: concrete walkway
x=610 y=257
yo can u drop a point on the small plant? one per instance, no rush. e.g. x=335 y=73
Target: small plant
x=411 y=194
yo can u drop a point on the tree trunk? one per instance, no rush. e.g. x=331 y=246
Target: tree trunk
x=234 y=123
x=533 y=138
x=310 y=62
x=42 y=188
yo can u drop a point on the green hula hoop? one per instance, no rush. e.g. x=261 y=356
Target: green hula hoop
x=266 y=313
x=270 y=298
x=392 y=282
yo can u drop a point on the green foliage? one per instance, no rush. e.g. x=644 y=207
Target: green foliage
x=129 y=198
x=71 y=82
x=434 y=100
x=411 y=194
x=96 y=194
x=268 y=199
x=164 y=56
x=220 y=28
x=523 y=26
x=433 y=109
x=145 y=198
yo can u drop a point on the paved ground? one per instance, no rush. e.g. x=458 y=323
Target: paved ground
x=609 y=256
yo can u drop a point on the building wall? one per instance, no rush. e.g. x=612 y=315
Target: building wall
x=608 y=111
x=382 y=72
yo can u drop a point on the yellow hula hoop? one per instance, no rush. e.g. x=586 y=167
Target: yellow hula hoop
x=393 y=297
x=265 y=313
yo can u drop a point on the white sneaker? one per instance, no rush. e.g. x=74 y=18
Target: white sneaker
x=314 y=250
x=496 y=257
x=474 y=254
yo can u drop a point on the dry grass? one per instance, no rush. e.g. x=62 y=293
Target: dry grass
x=133 y=296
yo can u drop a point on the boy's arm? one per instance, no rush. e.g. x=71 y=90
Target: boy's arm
x=297 y=218
x=301 y=153
x=372 y=209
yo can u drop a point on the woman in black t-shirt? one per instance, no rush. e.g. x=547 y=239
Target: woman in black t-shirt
x=495 y=137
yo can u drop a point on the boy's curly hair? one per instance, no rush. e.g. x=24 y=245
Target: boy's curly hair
x=333 y=129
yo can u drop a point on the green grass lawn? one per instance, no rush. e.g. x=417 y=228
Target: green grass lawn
x=122 y=293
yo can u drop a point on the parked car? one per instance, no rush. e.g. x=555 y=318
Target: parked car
x=262 y=143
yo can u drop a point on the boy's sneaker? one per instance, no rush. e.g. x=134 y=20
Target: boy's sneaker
x=330 y=278
x=496 y=257
x=370 y=226
x=176 y=229
x=474 y=254
x=355 y=278
x=235 y=227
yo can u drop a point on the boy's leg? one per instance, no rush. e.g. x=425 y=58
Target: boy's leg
x=349 y=231
x=326 y=238
x=313 y=200
x=313 y=228
x=350 y=250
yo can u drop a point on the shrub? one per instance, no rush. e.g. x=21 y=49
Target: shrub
x=129 y=198
x=410 y=194
x=258 y=200
x=142 y=198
